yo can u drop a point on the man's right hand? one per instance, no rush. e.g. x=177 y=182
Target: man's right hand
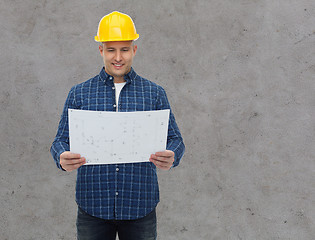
x=70 y=161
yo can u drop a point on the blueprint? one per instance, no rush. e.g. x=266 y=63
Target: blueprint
x=117 y=137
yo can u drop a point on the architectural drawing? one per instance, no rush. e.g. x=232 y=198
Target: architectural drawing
x=117 y=137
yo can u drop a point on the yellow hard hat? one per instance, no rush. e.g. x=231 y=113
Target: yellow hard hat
x=116 y=26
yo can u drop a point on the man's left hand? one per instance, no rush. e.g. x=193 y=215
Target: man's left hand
x=163 y=160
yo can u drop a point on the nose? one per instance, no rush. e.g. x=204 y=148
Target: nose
x=118 y=56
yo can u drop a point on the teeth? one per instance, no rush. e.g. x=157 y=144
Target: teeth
x=118 y=65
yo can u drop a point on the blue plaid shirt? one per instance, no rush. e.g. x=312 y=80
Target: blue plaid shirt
x=117 y=191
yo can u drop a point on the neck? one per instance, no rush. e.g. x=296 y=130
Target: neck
x=119 y=80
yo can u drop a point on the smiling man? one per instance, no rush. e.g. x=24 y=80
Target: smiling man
x=117 y=198
x=118 y=57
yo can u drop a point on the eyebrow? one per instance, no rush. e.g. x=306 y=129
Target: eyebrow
x=112 y=48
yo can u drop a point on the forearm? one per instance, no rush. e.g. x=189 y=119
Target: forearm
x=61 y=141
x=57 y=148
x=174 y=139
x=178 y=147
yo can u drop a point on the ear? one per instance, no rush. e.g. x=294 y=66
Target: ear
x=100 y=47
x=135 y=47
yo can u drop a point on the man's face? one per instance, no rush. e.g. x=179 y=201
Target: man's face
x=118 y=57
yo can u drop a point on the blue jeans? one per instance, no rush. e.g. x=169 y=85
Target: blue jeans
x=93 y=228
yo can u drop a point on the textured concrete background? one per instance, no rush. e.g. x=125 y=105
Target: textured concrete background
x=240 y=77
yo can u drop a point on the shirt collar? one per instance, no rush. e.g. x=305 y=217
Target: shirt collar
x=109 y=80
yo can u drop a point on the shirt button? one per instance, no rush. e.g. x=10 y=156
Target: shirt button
x=117 y=169
x=110 y=78
x=114 y=105
x=116 y=193
x=113 y=87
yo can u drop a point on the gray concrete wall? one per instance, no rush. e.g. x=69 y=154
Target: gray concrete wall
x=240 y=77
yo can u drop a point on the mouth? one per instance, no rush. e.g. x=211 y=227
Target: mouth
x=117 y=66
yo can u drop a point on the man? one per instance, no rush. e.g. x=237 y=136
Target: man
x=117 y=198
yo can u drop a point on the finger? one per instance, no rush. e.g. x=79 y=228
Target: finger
x=73 y=161
x=168 y=161
x=162 y=159
x=71 y=165
x=166 y=153
x=164 y=166
x=70 y=168
x=72 y=156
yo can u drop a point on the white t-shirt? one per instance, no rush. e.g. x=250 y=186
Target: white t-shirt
x=118 y=87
